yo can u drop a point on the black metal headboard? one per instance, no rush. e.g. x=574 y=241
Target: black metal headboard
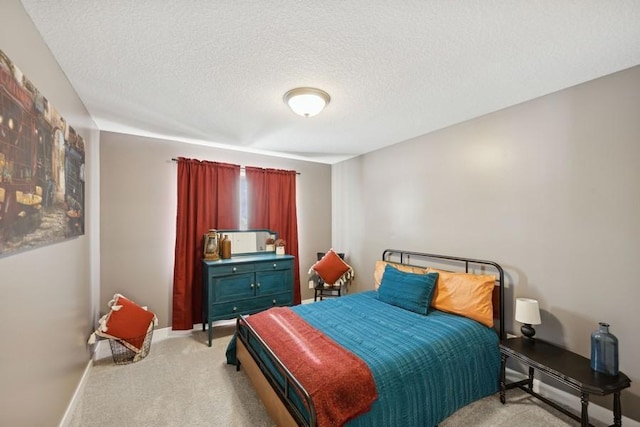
x=454 y=262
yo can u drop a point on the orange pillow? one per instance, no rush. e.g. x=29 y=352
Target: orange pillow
x=127 y=322
x=331 y=268
x=378 y=272
x=468 y=295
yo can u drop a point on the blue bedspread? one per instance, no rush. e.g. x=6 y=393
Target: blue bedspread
x=425 y=367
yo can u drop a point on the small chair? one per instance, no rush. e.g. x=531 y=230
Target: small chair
x=332 y=291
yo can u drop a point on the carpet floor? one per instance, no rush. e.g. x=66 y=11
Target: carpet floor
x=183 y=382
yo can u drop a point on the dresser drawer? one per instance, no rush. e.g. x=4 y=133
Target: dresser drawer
x=253 y=305
x=226 y=270
x=285 y=264
x=227 y=310
x=285 y=298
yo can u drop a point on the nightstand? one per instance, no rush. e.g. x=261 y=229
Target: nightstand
x=565 y=366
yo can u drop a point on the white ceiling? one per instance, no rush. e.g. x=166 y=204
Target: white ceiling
x=215 y=72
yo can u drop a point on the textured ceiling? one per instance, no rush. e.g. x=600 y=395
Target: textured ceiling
x=215 y=72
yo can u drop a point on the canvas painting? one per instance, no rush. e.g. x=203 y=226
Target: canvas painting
x=41 y=167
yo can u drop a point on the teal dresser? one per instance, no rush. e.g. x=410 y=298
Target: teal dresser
x=245 y=284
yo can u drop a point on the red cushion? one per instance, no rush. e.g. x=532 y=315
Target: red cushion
x=331 y=267
x=129 y=323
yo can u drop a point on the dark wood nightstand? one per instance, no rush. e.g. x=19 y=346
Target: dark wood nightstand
x=562 y=365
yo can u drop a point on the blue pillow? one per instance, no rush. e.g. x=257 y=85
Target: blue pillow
x=406 y=290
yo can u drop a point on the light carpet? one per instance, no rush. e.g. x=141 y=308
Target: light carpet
x=183 y=382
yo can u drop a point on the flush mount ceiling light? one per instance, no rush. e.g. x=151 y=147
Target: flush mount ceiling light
x=306 y=101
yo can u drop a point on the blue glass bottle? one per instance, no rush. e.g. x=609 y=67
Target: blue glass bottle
x=604 y=351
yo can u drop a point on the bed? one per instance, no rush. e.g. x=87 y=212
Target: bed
x=424 y=365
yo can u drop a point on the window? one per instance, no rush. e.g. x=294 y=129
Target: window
x=244 y=217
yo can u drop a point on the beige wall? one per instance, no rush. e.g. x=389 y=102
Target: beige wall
x=46 y=308
x=138 y=214
x=550 y=189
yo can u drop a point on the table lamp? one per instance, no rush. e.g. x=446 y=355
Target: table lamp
x=527 y=313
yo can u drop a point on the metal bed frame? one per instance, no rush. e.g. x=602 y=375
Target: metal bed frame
x=247 y=339
x=245 y=333
x=453 y=261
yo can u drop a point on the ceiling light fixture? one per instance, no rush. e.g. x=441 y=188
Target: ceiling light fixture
x=306 y=101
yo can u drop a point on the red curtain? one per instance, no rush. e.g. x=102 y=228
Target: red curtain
x=208 y=197
x=271 y=203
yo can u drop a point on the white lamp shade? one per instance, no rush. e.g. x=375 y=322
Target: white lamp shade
x=527 y=311
x=306 y=101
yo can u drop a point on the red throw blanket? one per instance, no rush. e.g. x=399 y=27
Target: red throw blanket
x=339 y=382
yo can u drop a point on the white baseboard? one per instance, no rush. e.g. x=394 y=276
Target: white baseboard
x=570 y=401
x=66 y=418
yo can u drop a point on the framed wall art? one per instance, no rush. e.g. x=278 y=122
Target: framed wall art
x=41 y=167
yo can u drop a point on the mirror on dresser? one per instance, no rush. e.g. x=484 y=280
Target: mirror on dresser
x=245 y=242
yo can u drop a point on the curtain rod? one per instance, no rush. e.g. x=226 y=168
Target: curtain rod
x=241 y=167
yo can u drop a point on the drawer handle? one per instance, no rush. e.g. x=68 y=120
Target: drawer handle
x=234 y=269
x=258 y=284
x=252 y=286
x=274 y=302
x=235 y=309
x=275 y=265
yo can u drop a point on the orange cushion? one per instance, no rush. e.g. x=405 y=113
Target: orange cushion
x=331 y=268
x=468 y=295
x=126 y=321
x=378 y=272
